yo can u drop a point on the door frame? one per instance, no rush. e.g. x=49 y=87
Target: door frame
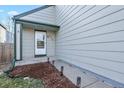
x=34 y=43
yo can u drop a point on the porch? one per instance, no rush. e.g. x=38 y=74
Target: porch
x=34 y=60
x=34 y=40
x=35 y=34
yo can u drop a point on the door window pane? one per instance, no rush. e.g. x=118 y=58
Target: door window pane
x=40 y=44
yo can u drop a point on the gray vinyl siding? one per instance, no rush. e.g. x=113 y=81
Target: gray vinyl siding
x=28 y=43
x=92 y=37
x=46 y=15
x=50 y=43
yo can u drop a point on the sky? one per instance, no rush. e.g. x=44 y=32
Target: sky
x=7 y=11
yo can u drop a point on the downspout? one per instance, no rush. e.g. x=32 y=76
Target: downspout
x=12 y=65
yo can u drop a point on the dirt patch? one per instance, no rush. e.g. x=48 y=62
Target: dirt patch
x=46 y=72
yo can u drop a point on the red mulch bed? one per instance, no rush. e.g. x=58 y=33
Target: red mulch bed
x=46 y=72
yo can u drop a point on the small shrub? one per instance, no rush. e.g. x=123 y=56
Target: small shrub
x=20 y=82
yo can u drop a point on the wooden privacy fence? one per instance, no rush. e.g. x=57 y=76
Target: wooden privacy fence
x=6 y=53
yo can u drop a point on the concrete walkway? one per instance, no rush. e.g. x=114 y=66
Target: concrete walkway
x=87 y=80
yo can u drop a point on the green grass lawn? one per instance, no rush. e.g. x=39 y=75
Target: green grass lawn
x=6 y=82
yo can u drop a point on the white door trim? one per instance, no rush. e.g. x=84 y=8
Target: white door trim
x=42 y=37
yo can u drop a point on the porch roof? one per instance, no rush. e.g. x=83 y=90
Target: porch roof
x=43 y=16
x=31 y=11
x=37 y=25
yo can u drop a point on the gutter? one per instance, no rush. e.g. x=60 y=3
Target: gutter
x=33 y=22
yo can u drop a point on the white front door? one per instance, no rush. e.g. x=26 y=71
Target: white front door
x=40 y=43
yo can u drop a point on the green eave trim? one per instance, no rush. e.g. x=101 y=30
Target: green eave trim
x=31 y=11
x=27 y=21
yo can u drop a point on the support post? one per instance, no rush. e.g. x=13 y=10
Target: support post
x=79 y=82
